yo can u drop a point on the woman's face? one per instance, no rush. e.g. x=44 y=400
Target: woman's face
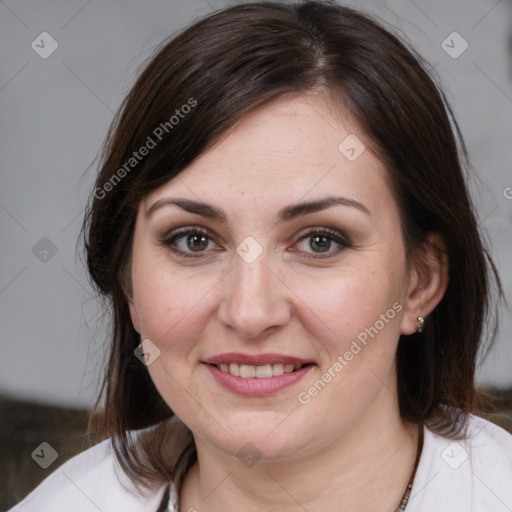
x=267 y=285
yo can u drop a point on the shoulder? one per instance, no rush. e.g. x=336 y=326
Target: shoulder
x=89 y=482
x=470 y=474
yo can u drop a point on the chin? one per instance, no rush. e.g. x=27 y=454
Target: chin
x=268 y=434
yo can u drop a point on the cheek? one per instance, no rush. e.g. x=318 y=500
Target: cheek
x=356 y=319
x=338 y=306
x=172 y=315
x=170 y=302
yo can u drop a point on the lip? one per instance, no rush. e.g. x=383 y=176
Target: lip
x=255 y=386
x=256 y=359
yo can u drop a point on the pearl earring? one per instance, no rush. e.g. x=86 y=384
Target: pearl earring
x=421 y=322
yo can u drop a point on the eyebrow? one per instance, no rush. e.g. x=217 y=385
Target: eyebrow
x=286 y=214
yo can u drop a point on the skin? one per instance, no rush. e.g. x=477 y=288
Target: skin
x=347 y=447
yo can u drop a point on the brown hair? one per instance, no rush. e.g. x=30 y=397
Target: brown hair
x=236 y=60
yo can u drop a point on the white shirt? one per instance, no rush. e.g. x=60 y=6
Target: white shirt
x=452 y=476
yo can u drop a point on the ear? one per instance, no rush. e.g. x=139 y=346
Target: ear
x=134 y=315
x=125 y=280
x=428 y=280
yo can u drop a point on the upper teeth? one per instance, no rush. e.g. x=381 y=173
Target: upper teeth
x=247 y=371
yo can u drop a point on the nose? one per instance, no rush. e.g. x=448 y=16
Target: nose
x=256 y=300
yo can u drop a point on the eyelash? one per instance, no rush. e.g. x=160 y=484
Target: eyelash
x=169 y=239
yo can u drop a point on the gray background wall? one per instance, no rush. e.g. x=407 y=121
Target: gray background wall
x=54 y=113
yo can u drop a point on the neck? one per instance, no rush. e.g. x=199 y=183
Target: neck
x=369 y=465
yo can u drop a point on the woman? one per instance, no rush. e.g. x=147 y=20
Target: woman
x=282 y=230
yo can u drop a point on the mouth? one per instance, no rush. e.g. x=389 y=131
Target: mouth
x=257 y=374
x=247 y=371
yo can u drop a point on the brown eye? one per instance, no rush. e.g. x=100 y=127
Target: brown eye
x=197 y=241
x=320 y=241
x=188 y=241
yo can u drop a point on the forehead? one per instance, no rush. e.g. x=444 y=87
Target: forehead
x=290 y=149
